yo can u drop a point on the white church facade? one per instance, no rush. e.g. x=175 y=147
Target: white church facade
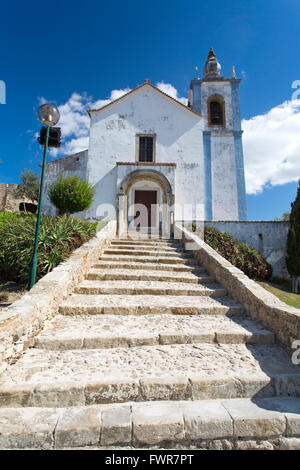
x=152 y=160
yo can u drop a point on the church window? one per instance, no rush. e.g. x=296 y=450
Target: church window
x=146 y=148
x=216 y=112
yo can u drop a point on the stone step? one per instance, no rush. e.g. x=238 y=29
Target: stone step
x=147 y=373
x=79 y=304
x=137 y=252
x=149 y=288
x=149 y=266
x=141 y=274
x=111 y=331
x=154 y=237
x=147 y=246
x=168 y=248
x=150 y=242
x=150 y=259
x=268 y=423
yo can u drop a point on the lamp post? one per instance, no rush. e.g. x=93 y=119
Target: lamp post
x=49 y=116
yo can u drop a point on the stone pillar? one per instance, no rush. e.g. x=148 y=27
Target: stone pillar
x=122 y=215
x=240 y=175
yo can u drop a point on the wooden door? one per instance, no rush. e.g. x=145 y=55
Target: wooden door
x=149 y=200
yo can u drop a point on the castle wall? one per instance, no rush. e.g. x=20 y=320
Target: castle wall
x=7 y=200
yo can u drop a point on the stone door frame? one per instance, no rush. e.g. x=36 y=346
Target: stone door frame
x=167 y=200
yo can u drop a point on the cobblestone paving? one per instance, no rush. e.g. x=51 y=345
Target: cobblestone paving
x=145 y=304
x=102 y=331
x=150 y=275
x=184 y=360
x=149 y=287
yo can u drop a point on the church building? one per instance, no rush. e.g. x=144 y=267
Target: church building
x=153 y=160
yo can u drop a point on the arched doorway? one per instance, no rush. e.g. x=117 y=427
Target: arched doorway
x=144 y=203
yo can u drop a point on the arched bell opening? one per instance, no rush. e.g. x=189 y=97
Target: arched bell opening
x=216 y=111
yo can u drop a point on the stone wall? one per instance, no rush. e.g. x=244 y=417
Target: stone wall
x=268 y=237
x=24 y=319
x=264 y=307
x=7 y=200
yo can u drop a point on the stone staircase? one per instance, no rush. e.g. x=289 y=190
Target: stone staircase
x=150 y=351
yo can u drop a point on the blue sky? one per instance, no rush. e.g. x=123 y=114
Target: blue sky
x=91 y=48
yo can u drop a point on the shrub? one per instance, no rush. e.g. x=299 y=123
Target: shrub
x=59 y=236
x=241 y=255
x=293 y=243
x=71 y=194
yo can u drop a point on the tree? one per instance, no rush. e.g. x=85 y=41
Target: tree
x=293 y=243
x=71 y=194
x=29 y=187
x=284 y=218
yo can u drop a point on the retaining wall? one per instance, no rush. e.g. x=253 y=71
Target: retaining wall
x=261 y=305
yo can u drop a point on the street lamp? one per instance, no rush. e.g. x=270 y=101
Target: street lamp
x=49 y=116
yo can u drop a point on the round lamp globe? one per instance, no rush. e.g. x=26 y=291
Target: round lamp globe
x=48 y=115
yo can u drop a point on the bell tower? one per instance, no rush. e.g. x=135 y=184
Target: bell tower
x=217 y=99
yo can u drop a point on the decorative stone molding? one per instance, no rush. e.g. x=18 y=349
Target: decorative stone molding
x=135 y=176
x=145 y=164
x=24 y=319
x=261 y=305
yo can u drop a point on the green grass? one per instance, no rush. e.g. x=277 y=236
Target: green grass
x=283 y=293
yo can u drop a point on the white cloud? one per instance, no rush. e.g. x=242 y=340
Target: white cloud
x=170 y=90
x=75 y=121
x=272 y=147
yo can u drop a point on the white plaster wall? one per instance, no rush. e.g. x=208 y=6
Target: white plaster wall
x=67 y=166
x=178 y=140
x=223 y=170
